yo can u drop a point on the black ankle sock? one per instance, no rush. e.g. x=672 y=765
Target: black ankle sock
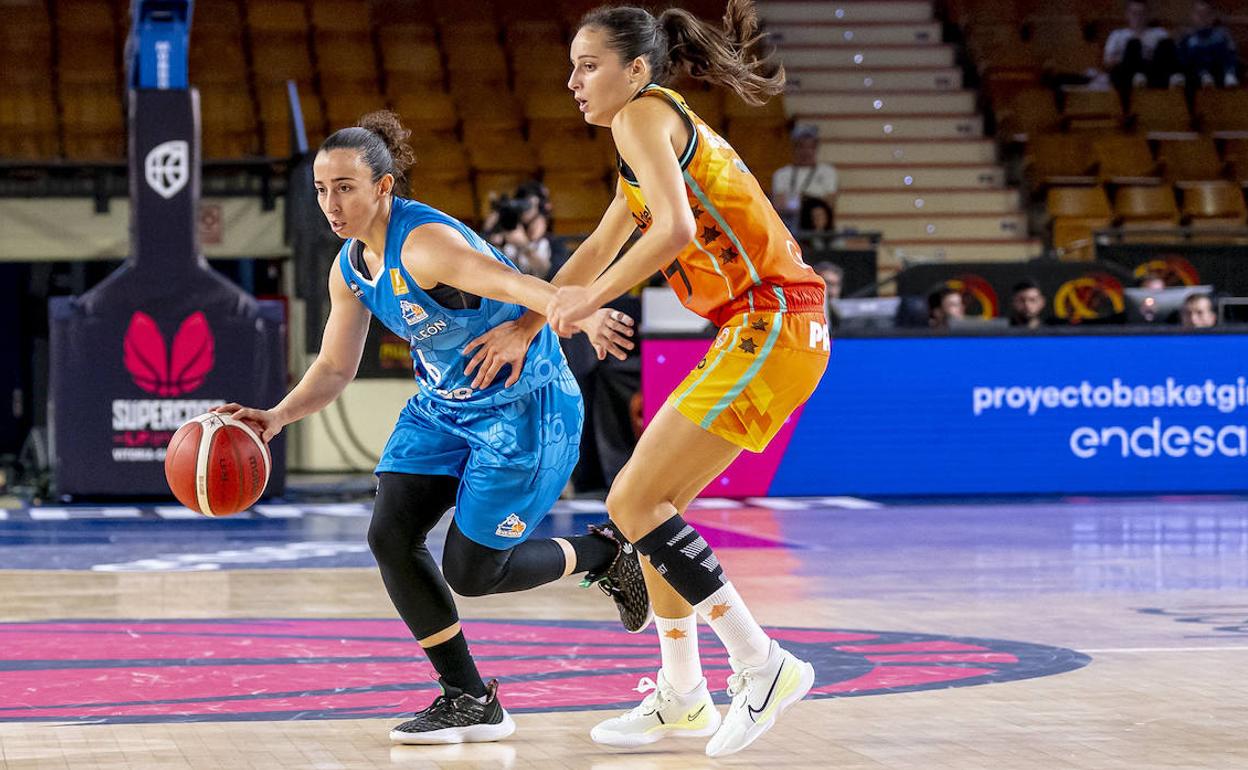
x=594 y=553
x=454 y=664
x=683 y=558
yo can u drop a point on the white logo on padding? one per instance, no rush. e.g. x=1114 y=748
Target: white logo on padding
x=167 y=168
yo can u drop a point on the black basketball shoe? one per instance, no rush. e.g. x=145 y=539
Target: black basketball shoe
x=457 y=717
x=623 y=581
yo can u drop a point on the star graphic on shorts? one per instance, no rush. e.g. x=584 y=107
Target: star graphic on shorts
x=697 y=212
x=710 y=234
x=748 y=345
x=728 y=255
x=675 y=633
x=718 y=611
x=759 y=326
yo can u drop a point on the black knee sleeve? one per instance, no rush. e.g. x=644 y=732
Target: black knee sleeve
x=407 y=507
x=473 y=569
x=683 y=558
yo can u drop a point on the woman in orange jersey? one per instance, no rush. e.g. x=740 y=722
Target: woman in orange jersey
x=708 y=226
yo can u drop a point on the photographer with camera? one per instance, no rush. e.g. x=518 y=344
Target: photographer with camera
x=517 y=225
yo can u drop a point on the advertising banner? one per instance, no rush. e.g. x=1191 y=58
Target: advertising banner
x=1070 y=414
x=164 y=337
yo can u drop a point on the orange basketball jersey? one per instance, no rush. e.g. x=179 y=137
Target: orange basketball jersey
x=742 y=258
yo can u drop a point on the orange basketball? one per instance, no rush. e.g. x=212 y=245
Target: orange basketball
x=217 y=465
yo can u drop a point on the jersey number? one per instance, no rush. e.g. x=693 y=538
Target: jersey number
x=432 y=373
x=678 y=269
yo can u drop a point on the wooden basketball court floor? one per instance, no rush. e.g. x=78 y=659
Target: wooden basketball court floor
x=1073 y=633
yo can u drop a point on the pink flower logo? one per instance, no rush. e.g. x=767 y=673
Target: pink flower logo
x=168 y=373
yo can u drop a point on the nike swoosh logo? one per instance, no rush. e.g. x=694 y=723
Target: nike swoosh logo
x=694 y=716
x=754 y=712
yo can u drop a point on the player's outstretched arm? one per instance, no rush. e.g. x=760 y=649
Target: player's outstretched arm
x=437 y=253
x=342 y=346
x=643 y=133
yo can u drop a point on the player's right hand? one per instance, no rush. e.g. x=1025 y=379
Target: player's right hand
x=264 y=421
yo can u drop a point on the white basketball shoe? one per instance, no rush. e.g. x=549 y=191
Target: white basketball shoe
x=663 y=713
x=759 y=694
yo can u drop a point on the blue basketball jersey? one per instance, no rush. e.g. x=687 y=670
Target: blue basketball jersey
x=437 y=334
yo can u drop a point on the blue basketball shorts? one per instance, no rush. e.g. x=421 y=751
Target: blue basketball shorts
x=513 y=460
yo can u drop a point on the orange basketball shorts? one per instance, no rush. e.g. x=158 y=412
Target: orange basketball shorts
x=759 y=370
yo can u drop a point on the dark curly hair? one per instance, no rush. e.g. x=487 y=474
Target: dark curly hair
x=676 y=40
x=381 y=140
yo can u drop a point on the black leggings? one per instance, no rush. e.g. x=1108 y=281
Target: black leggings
x=407 y=507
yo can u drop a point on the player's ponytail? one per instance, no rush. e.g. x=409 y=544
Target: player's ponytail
x=729 y=56
x=677 y=41
x=381 y=139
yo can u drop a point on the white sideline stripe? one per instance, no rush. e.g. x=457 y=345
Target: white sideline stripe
x=63 y=514
x=777 y=503
x=176 y=512
x=279 y=511
x=714 y=503
x=1167 y=649
x=847 y=502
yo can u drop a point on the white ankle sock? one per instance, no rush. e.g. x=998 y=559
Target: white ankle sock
x=732 y=622
x=678 y=643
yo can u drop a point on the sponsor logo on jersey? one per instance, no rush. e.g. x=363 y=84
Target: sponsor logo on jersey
x=397 y=283
x=511 y=526
x=429 y=331
x=355 y=289
x=412 y=313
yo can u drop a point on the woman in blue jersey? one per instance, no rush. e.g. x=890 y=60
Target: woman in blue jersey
x=487 y=432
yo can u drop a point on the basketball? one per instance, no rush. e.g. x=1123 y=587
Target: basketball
x=217 y=465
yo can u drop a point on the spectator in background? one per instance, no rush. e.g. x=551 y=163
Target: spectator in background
x=944 y=305
x=1139 y=54
x=1152 y=282
x=832 y=276
x=517 y=225
x=1207 y=54
x=1027 y=305
x=1197 y=312
x=804 y=178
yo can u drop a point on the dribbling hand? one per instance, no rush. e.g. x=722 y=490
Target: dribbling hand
x=264 y=421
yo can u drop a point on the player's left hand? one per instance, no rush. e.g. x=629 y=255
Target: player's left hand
x=569 y=306
x=610 y=332
x=507 y=343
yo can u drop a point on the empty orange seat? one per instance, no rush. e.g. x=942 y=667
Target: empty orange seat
x=450 y=193
x=1026 y=113
x=1190 y=159
x=501 y=152
x=707 y=103
x=287 y=17
x=28 y=124
x=1146 y=207
x=1076 y=213
x=278 y=59
x=1160 y=110
x=1222 y=109
x=1084 y=108
x=1122 y=157
x=577 y=201
x=412 y=66
x=341 y=16
x=346 y=102
x=439 y=153
x=1059 y=159
x=426 y=112
x=346 y=56
x=1213 y=204
x=228 y=122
